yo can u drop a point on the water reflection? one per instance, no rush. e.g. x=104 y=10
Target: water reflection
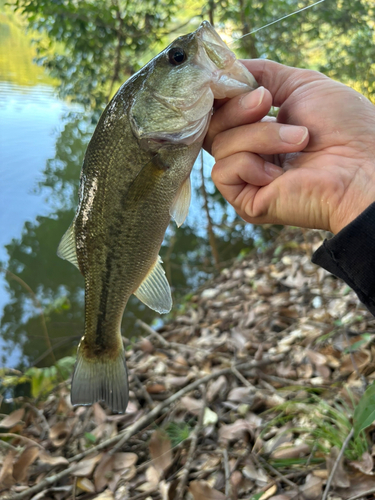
x=43 y=141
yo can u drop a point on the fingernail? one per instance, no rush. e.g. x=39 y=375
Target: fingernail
x=292 y=134
x=272 y=170
x=253 y=99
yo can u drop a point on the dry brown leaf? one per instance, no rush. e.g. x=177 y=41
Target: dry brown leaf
x=105 y=495
x=312 y=489
x=103 y=473
x=156 y=388
x=286 y=451
x=100 y=415
x=46 y=458
x=160 y=451
x=243 y=395
x=340 y=479
x=217 y=388
x=85 y=485
x=359 y=359
x=13 y=418
x=192 y=405
x=59 y=434
x=234 y=431
x=6 y=473
x=365 y=465
x=316 y=358
x=86 y=466
x=202 y=491
x=20 y=467
x=269 y=493
x=124 y=460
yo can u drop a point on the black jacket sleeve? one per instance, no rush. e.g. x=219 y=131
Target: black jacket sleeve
x=350 y=255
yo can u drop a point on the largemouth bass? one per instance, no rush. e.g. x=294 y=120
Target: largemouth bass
x=135 y=177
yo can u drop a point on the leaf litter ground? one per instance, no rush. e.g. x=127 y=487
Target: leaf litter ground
x=248 y=392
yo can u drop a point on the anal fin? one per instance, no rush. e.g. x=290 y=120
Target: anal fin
x=154 y=291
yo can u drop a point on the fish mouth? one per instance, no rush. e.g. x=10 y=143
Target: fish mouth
x=229 y=77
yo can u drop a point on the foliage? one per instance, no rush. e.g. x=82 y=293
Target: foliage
x=41 y=380
x=93 y=45
x=364 y=414
x=323 y=425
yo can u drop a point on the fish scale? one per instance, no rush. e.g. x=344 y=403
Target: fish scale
x=135 y=177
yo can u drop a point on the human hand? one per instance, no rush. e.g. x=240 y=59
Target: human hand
x=312 y=167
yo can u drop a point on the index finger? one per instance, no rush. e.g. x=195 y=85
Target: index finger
x=280 y=80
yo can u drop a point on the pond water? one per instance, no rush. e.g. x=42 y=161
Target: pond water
x=42 y=143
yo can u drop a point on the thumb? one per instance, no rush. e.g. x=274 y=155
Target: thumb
x=280 y=80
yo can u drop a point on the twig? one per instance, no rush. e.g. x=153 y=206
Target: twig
x=166 y=343
x=144 y=421
x=227 y=473
x=179 y=495
x=22 y=438
x=42 y=420
x=335 y=465
x=9 y=446
x=145 y=394
x=241 y=377
x=363 y=494
x=283 y=478
x=153 y=332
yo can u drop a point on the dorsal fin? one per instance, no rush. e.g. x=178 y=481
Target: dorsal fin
x=67 y=247
x=154 y=291
x=181 y=203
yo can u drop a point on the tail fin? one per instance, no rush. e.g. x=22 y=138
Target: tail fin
x=101 y=380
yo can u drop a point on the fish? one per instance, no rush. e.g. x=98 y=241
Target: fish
x=136 y=177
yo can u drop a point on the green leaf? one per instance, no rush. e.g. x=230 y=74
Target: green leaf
x=364 y=414
x=90 y=437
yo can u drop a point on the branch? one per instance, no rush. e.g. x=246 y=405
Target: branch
x=143 y=422
x=179 y=495
x=335 y=465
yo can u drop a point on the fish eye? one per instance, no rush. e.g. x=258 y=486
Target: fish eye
x=176 y=56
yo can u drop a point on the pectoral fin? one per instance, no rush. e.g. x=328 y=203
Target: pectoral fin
x=154 y=291
x=67 y=247
x=181 y=203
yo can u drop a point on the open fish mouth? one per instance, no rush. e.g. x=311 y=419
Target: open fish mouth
x=229 y=77
x=179 y=112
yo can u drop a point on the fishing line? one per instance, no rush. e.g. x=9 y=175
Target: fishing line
x=277 y=20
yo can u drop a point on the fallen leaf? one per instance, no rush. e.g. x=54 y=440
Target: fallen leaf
x=104 y=472
x=86 y=466
x=217 y=388
x=105 y=495
x=124 y=460
x=192 y=405
x=234 y=431
x=46 y=458
x=286 y=451
x=20 y=467
x=85 y=485
x=340 y=479
x=160 y=451
x=242 y=395
x=59 y=434
x=202 y=491
x=269 y=493
x=6 y=473
x=100 y=415
x=209 y=417
x=13 y=418
x=312 y=489
x=365 y=465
